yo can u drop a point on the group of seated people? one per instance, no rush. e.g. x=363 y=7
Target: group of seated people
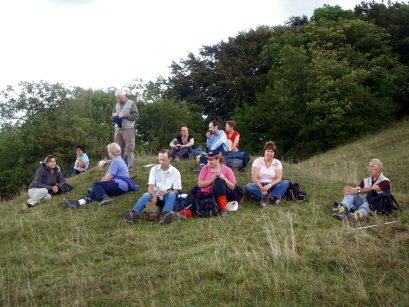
x=165 y=183
x=215 y=178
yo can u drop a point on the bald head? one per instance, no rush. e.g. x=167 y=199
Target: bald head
x=375 y=167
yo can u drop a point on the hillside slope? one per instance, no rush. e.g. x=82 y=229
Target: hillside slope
x=292 y=254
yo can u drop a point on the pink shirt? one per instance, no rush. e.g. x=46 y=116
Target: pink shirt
x=206 y=173
x=266 y=174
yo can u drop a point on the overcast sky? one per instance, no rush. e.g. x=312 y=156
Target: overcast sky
x=102 y=43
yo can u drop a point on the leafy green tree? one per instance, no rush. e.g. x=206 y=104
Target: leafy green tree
x=223 y=77
x=159 y=121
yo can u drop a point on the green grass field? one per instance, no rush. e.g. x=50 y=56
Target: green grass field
x=291 y=254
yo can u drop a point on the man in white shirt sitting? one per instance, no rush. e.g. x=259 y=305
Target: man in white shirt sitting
x=164 y=184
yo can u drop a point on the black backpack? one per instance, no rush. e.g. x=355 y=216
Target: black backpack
x=206 y=206
x=295 y=193
x=182 y=202
x=382 y=203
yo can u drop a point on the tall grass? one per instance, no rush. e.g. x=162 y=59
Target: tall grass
x=291 y=254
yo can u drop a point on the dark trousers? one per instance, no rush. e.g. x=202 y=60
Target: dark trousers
x=102 y=188
x=220 y=188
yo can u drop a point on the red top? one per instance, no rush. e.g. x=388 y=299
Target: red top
x=233 y=136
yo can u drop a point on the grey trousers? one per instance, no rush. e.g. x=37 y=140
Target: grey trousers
x=38 y=195
x=126 y=140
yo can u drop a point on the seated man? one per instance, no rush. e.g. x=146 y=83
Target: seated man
x=216 y=140
x=82 y=162
x=355 y=208
x=164 y=184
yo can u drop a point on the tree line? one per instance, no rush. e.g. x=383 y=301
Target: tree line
x=310 y=85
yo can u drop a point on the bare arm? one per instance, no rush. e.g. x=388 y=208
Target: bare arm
x=153 y=193
x=235 y=143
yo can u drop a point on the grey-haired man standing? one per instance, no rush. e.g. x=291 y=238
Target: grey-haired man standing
x=125 y=115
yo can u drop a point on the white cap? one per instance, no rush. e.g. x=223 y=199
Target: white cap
x=232 y=206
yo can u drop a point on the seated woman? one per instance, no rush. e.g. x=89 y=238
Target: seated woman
x=219 y=179
x=182 y=145
x=233 y=137
x=234 y=157
x=267 y=174
x=48 y=180
x=115 y=182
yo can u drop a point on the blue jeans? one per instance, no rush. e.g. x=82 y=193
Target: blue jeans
x=357 y=202
x=276 y=191
x=169 y=200
x=102 y=188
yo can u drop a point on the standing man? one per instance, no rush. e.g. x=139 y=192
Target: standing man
x=125 y=115
x=164 y=184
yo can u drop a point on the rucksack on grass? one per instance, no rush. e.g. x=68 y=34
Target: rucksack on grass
x=382 y=203
x=295 y=193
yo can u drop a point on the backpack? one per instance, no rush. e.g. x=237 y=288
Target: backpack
x=182 y=202
x=295 y=193
x=239 y=163
x=206 y=206
x=382 y=203
x=66 y=187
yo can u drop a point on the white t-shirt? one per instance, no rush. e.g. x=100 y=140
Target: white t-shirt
x=165 y=180
x=267 y=174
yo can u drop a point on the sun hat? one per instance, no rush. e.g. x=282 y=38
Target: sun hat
x=213 y=154
x=232 y=206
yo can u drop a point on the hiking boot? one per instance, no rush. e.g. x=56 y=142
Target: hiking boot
x=105 y=201
x=180 y=216
x=71 y=203
x=341 y=214
x=167 y=217
x=224 y=212
x=131 y=216
x=354 y=216
x=264 y=202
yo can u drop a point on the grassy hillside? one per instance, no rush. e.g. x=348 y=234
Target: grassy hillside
x=291 y=254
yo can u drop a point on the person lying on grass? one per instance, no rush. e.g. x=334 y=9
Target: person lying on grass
x=115 y=182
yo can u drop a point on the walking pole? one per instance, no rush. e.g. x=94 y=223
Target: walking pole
x=375 y=225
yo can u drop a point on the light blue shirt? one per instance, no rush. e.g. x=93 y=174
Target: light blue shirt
x=119 y=168
x=83 y=157
x=216 y=140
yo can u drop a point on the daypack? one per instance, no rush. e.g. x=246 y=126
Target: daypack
x=295 y=193
x=239 y=163
x=382 y=203
x=182 y=202
x=206 y=206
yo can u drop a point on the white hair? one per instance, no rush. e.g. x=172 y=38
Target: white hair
x=120 y=92
x=114 y=149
